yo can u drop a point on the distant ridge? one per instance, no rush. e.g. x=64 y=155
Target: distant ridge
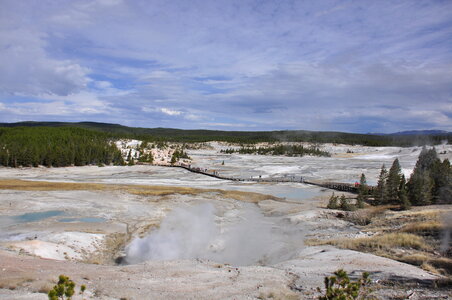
x=417 y=132
x=422 y=132
x=406 y=138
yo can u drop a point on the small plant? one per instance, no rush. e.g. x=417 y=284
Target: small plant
x=64 y=289
x=340 y=287
x=359 y=202
x=345 y=205
x=340 y=203
x=332 y=203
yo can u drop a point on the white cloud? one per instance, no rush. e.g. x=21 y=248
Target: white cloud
x=164 y=110
x=170 y=112
x=27 y=70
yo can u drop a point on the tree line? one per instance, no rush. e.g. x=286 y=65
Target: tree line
x=247 y=137
x=56 y=147
x=430 y=183
x=287 y=150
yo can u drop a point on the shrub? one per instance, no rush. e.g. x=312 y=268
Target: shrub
x=345 y=205
x=340 y=287
x=64 y=289
x=359 y=202
x=332 y=203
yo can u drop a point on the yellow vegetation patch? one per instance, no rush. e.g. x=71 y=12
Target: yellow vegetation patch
x=417 y=259
x=439 y=265
x=168 y=190
x=366 y=215
x=417 y=220
x=420 y=227
x=423 y=213
x=161 y=190
x=25 y=185
x=411 y=236
x=442 y=264
x=386 y=241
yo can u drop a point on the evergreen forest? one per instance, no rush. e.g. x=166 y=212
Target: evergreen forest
x=287 y=150
x=56 y=147
x=250 y=137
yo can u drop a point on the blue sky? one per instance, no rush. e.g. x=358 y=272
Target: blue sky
x=356 y=66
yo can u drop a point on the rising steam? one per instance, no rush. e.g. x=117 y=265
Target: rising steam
x=447 y=232
x=192 y=232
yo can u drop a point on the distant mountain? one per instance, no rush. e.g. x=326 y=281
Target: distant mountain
x=422 y=132
x=416 y=132
x=408 y=138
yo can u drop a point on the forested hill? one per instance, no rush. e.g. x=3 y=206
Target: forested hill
x=179 y=135
x=57 y=147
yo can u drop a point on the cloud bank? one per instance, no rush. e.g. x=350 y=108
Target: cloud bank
x=252 y=65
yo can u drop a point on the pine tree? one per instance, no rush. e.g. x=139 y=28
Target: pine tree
x=426 y=159
x=129 y=156
x=403 y=196
x=174 y=158
x=150 y=158
x=442 y=177
x=332 y=203
x=380 y=193
x=362 y=192
x=420 y=188
x=344 y=205
x=130 y=161
x=393 y=181
x=421 y=184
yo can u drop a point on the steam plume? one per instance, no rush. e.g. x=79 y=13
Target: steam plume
x=446 y=240
x=193 y=232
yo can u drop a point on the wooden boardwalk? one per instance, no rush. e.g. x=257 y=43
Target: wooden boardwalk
x=338 y=186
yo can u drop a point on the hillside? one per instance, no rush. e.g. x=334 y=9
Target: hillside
x=202 y=135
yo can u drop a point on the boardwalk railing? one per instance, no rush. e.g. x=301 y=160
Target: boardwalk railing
x=338 y=186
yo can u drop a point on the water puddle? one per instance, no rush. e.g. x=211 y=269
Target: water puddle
x=83 y=220
x=30 y=217
x=42 y=215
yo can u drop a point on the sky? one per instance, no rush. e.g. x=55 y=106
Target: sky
x=354 y=66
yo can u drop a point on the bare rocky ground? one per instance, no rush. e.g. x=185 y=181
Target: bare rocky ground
x=77 y=221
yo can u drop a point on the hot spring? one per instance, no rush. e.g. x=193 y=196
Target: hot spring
x=238 y=237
